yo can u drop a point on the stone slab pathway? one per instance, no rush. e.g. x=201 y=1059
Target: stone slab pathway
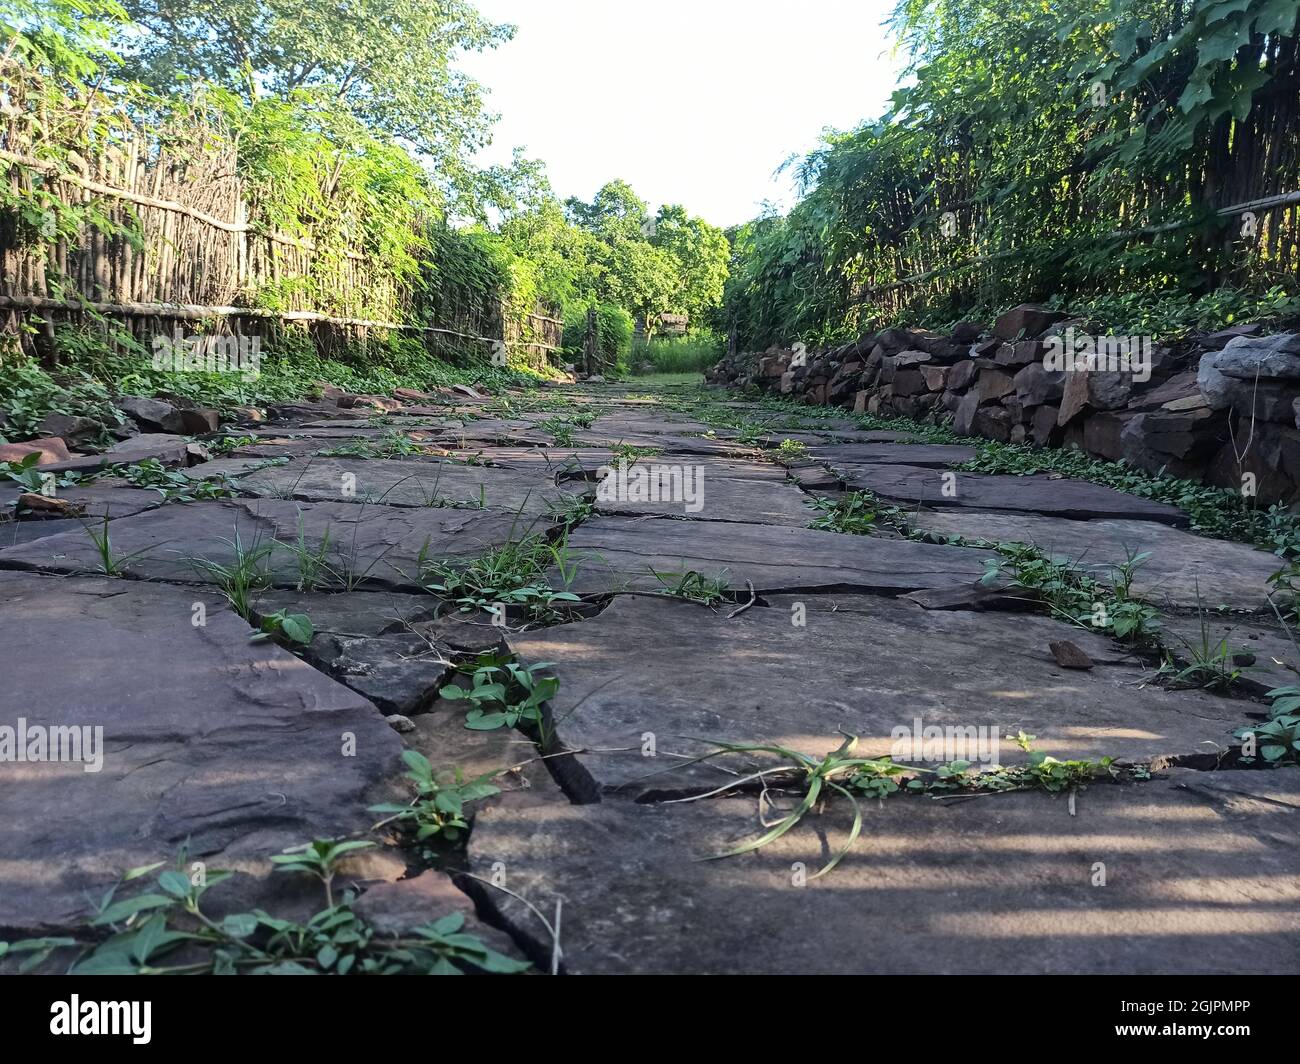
x=1179 y=859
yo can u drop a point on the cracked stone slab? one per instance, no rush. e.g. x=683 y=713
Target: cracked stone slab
x=650 y=664
x=812 y=476
x=829 y=438
x=1040 y=493
x=15 y=532
x=278 y=447
x=206 y=736
x=385 y=427
x=912 y=454
x=501 y=432
x=397 y=483
x=1202 y=876
x=372 y=642
x=1184 y=570
x=240 y=465
x=714 y=498
x=377 y=545
x=622 y=554
x=626 y=423
x=665 y=442
x=321 y=430
x=571 y=461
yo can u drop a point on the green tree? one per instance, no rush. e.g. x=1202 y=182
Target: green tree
x=389 y=63
x=636 y=275
x=617 y=213
x=700 y=253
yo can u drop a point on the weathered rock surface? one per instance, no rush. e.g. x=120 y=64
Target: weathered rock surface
x=713 y=498
x=1043 y=494
x=1201 y=875
x=1027 y=320
x=369 y=641
x=913 y=454
x=1183 y=569
x=372 y=545
x=617 y=554
x=238 y=747
x=398 y=483
x=152 y=415
x=94 y=501
x=678 y=670
x=1255 y=376
x=50 y=449
x=392 y=909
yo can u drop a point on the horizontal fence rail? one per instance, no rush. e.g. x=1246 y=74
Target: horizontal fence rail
x=168 y=230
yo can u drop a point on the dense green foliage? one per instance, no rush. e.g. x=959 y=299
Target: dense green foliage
x=1026 y=137
x=385 y=66
x=351 y=131
x=613 y=335
x=680 y=354
x=93 y=371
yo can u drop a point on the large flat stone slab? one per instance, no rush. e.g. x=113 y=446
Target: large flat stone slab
x=1032 y=494
x=1202 y=873
x=567 y=461
x=713 y=498
x=913 y=454
x=235 y=746
x=623 y=554
x=686 y=674
x=369 y=641
x=508 y=432
x=398 y=483
x=664 y=442
x=636 y=423
x=1184 y=570
x=362 y=545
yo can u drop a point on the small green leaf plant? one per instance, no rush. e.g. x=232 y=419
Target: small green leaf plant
x=296 y=627
x=164 y=930
x=1277 y=740
x=503 y=693
x=438 y=809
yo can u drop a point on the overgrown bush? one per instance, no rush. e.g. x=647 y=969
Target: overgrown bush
x=96 y=366
x=614 y=329
x=679 y=354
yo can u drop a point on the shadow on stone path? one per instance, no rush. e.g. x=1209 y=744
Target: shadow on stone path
x=805 y=635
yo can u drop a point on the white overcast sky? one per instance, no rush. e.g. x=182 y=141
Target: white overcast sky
x=689 y=101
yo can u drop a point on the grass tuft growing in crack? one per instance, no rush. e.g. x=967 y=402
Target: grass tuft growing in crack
x=513 y=575
x=1074 y=595
x=694 y=586
x=1209 y=665
x=243 y=580
x=841 y=773
x=857 y=513
x=110 y=563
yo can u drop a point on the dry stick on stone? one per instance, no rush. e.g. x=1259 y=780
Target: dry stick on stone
x=556 y=951
x=753 y=597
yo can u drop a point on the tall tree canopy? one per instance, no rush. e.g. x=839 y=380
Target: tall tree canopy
x=390 y=64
